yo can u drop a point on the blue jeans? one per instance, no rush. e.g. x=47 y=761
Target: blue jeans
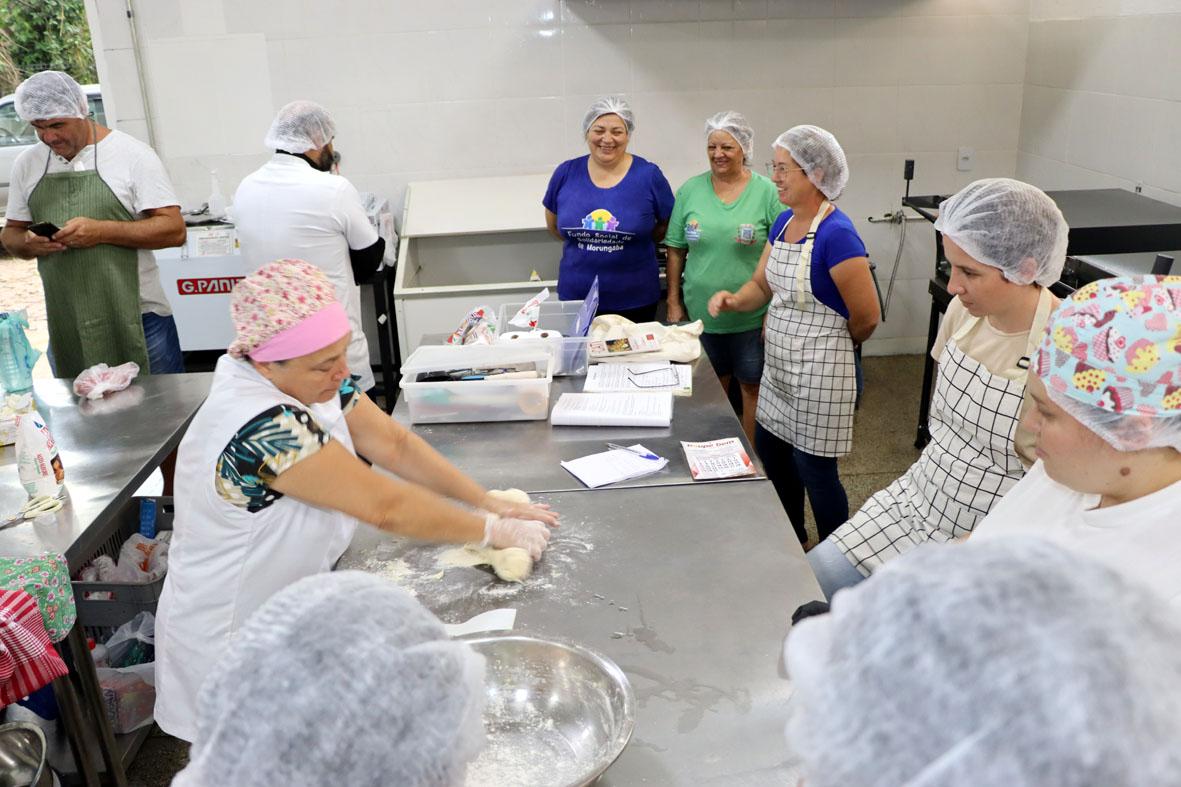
x=833 y=570
x=736 y=354
x=164 y=355
x=793 y=472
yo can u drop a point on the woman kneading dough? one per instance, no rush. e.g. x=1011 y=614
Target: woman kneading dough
x=270 y=486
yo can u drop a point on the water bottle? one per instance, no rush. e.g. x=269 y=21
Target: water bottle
x=217 y=200
x=147 y=518
x=17 y=356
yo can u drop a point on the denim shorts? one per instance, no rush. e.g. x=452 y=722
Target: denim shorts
x=736 y=354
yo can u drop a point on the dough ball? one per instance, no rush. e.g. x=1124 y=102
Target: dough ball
x=510 y=496
x=512 y=564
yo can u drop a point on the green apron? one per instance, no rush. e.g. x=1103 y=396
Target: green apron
x=91 y=295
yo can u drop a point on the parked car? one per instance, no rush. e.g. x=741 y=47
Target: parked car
x=17 y=136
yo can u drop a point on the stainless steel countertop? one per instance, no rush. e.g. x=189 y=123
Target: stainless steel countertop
x=1134 y=264
x=688 y=589
x=108 y=448
x=527 y=454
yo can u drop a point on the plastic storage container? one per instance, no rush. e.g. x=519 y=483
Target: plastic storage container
x=99 y=616
x=492 y=399
x=569 y=351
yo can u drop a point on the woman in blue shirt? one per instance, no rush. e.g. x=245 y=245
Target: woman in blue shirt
x=609 y=209
x=815 y=274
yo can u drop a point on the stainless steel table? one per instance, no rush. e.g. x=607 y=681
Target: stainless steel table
x=527 y=454
x=108 y=449
x=692 y=604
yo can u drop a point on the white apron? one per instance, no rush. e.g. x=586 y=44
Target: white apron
x=224 y=561
x=809 y=384
x=969 y=464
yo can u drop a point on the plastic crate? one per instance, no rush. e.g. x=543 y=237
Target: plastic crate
x=492 y=399
x=569 y=351
x=99 y=616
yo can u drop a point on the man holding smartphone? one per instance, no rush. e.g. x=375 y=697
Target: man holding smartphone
x=90 y=204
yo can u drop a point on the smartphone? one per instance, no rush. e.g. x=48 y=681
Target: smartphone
x=45 y=229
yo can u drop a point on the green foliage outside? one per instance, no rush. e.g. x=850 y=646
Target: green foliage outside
x=44 y=34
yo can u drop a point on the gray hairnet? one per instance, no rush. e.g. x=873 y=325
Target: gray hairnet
x=340 y=678
x=300 y=126
x=608 y=105
x=735 y=124
x=1009 y=225
x=50 y=94
x=821 y=156
x=1008 y=663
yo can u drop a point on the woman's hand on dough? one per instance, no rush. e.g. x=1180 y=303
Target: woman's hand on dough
x=503 y=532
x=539 y=512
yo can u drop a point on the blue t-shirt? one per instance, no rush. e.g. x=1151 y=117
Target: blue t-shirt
x=836 y=241
x=608 y=232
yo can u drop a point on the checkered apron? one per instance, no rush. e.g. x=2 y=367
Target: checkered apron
x=969 y=464
x=808 y=389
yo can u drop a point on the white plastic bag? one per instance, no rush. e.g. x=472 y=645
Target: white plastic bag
x=37 y=461
x=142 y=559
x=134 y=642
x=129 y=695
x=100 y=379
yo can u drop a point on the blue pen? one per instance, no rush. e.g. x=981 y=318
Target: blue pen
x=636 y=451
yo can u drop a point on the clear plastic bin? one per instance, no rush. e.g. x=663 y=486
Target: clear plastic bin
x=492 y=399
x=569 y=351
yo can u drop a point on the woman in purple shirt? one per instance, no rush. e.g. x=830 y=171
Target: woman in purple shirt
x=609 y=209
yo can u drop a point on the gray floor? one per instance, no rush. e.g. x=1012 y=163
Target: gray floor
x=883 y=447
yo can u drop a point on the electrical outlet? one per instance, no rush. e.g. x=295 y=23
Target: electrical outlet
x=965 y=159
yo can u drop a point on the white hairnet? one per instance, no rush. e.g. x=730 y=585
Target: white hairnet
x=300 y=126
x=821 y=156
x=608 y=105
x=1006 y=663
x=50 y=94
x=340 y=678
x=1009 y=225
x=736 y=125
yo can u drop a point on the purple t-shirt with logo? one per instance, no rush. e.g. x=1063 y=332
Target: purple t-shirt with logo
x=608 y=232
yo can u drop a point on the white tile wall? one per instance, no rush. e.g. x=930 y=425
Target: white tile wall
x=468 y=88
x=1103 y=96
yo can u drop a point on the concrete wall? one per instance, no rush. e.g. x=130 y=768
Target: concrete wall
x=469 y=88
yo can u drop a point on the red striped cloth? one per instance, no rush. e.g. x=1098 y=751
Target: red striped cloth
x=28 y=659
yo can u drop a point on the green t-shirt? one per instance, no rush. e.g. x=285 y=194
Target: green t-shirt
x=716 y=259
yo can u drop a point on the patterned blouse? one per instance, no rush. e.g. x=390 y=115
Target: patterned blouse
x=268 y=444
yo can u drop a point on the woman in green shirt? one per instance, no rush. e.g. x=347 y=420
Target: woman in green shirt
x=716 y=233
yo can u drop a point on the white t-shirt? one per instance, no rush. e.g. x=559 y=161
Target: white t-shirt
x=1141 y=538
x=287 y=209
x=133 y=172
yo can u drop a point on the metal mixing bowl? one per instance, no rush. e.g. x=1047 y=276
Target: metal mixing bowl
x=22 y=756
x=555 y=714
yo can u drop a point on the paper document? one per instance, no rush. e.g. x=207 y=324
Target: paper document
x=717 y=459
x=493 y=620
x=636 y=343
x=610 y=467
x=655 y=376
x=613 y=409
